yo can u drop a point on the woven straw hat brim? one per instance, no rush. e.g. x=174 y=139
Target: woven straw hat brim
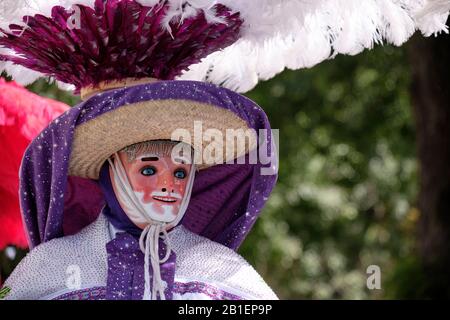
x=97 y=139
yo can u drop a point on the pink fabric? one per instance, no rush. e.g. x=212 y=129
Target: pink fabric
x=22 y=116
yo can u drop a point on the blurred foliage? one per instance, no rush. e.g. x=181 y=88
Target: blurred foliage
x=45 y=89
x=9 y=258
x=347 y=181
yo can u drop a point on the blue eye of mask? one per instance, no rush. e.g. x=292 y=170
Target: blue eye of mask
x=180 y=174
x=148 y=171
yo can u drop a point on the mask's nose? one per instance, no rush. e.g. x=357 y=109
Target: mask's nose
x=166 y=181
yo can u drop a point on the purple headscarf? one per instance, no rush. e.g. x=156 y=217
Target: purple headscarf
x=226 y=199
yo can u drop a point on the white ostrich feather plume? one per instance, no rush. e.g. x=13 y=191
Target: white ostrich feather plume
x=276 y=34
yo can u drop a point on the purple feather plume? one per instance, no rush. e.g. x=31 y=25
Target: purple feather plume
x=116 y=39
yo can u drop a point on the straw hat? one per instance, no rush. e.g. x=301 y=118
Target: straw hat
x=97 y=139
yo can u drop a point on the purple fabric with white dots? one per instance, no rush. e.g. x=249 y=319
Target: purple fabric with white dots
x=126 y=269
x=226 y=199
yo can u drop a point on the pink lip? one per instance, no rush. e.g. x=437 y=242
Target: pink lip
x=165 y=199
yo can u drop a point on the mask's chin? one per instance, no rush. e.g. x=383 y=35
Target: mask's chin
x=163 y=213
x=155 y=211
x=156 y=217
x=161 y=208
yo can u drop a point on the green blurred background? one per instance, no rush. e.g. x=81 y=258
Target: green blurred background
x=348 y=175
x=348 y=184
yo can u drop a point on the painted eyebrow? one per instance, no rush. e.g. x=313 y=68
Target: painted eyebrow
x=150 y=159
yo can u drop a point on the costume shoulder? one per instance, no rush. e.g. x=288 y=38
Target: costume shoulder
x=60 y=264
x=202 y=260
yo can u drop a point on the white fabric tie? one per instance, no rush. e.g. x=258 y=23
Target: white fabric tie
x=151 y=250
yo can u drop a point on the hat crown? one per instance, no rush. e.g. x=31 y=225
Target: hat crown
x=89 y=91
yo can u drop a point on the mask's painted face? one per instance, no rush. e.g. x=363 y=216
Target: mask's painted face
x=159 y=184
